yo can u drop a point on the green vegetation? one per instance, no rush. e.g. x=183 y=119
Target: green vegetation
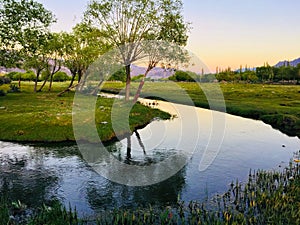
x=263 y=74
x=277 y=105
x=268 y=197
x=44 y=117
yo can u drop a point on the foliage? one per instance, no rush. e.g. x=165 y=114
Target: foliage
x=29 y=75
x=54 y=214
x=119 y=75
x=185 y=76
x=2 y=93
x=60 y=77
x=82 y=47
x=14 y=88
x=23 y=25
x=4 y=80
x=126 y=24
x=263 y=74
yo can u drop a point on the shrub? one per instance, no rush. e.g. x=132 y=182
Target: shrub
x=137 y=78
x=4 y=80
x=60 y=76
x=14 y=89
x=45 y=75
x=2 y=93
x=119 y=75
x=11 y=75
x=28 y=76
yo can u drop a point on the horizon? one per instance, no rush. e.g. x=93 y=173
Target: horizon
x=224 y=33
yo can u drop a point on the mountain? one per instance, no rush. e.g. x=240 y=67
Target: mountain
x=155 y=73
x=293 y=63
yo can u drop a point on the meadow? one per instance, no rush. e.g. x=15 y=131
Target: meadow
x=277 y=105
x=43 y=117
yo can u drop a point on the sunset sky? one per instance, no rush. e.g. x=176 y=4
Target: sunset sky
x=225 y=32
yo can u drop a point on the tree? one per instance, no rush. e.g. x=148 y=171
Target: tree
x=126 y=24
x=18 y=19
x=35 y=54
x=80 y=48
x=24 y=32
x=54 y=50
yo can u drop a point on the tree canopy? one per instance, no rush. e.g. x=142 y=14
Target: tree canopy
x=126 y=24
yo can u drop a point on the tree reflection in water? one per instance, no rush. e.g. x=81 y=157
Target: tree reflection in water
x=112 y=195
x=27 y=181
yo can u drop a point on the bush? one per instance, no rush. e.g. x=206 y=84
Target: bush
x=11 y=75
x=119 y=75
x=2 y=93
x=60 y=76
x=4 y=80
x=28 y=76
x=137 y=78
x=184 y=76
x=14 y=89
x=45 y=74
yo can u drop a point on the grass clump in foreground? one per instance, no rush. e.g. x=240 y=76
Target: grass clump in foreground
x=268 y=197
x=277 y=105
x=44 y=117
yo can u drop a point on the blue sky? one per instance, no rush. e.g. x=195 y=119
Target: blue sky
x=225 y=32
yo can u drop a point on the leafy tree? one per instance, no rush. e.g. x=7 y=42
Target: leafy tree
x=24 y=31
x=265 y=73
x=54 y=50
x=126 y=24
x=80 y=48
x=19 y=22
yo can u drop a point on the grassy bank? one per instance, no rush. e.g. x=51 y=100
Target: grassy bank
x=44 y=117
x=268 y=197
x=277 y=105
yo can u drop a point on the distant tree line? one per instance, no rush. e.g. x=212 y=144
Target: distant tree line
x=263 y=74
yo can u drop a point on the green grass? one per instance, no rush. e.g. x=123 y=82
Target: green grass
x=277 y=105
x=44 y=117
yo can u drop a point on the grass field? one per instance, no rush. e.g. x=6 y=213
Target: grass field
x=277 y=105
x=44 y=117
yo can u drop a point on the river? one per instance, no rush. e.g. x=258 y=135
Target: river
x=35 y=174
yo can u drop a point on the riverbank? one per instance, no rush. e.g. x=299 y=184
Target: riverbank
x=276 y=105
x=43 y=117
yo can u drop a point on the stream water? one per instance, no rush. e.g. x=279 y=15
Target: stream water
x=35 y=174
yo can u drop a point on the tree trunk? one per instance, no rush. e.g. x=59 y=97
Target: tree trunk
x=138 y=92
x=45 y=81
x=66 y=90
x=36 y=79
x=71 y=84
x=51 y=81
x=73 y=78
x=128 y=79
x=94 y=92
x=54 y=70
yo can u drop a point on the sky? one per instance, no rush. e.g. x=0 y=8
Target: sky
x=225 y=33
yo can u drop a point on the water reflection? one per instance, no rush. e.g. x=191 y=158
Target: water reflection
x=25 y=178
x=115 y=195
